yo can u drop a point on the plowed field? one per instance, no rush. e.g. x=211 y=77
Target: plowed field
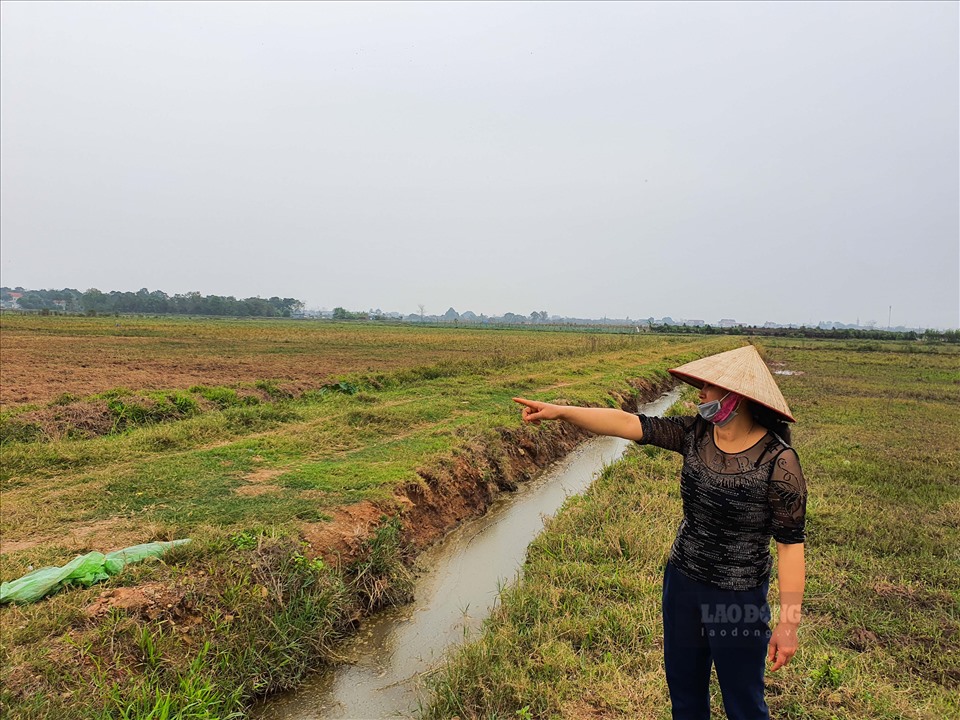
x=43 y=357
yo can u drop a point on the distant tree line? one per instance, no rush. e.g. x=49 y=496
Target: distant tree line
x=340 y=313
x=157 y=302
x=543 y=321
x=94 y=301
x=950 y=336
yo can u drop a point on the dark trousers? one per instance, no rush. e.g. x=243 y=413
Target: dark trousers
x=704 y=624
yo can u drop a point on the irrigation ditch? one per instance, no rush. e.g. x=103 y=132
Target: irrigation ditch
x=460 y=576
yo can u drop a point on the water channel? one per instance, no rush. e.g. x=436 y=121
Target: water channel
x=460 y=579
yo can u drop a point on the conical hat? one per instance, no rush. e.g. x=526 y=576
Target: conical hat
x=742 y=371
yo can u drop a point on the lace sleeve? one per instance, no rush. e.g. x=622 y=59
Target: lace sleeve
x=667 y=433
x=788 y=498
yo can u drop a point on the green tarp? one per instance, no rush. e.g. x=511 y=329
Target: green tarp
x=82 y=570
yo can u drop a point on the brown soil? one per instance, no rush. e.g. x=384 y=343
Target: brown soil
x=582 y=709
x=913 y=596
x=861 y=640
x=342 y=539
x=38 y=368
x=259 y=481
x=103 y=535
x=255 y=490
x=263 y=474
x=149 y=601
x=464 y=485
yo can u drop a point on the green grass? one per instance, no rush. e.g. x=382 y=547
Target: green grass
x=580 y=634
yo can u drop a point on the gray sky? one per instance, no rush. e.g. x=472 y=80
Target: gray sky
x=792 y=162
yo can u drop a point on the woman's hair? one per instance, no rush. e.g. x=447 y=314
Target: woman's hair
x=771 y=420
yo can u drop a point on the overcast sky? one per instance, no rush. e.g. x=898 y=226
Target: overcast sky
x=792 y=162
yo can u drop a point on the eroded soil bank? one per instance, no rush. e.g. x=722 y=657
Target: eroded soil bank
x=459 y=486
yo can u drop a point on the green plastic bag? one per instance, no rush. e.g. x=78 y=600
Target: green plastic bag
x=82 y=570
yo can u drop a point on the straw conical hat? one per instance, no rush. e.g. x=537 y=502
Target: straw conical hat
x=742 y=371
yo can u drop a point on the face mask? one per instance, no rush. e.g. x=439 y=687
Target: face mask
x=721 y=411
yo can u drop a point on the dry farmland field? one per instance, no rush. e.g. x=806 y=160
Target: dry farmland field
x=44 y=358
x=307 y=461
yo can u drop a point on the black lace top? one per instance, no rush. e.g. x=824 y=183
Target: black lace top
x=732 y=502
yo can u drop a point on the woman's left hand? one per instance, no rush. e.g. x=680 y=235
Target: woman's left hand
x=783 y=645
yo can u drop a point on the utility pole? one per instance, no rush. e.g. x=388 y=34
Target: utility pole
x=889 y=315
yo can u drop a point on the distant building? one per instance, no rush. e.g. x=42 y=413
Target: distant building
x=13 y=303
x=728 y=323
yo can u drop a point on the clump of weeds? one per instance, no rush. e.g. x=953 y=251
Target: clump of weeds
x=135 y=411
x=382 y=577
x=224 y=397
x=273 y=390
x=14 y=430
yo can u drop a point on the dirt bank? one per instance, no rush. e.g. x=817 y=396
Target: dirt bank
x=450 y=490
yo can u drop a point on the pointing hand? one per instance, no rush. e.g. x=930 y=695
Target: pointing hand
x=534 y=411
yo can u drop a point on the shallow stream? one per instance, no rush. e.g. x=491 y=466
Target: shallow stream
x=461 y=576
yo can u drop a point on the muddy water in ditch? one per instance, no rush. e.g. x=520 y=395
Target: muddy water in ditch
x=383 y=664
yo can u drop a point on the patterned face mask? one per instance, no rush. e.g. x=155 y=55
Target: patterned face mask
x=721 y=411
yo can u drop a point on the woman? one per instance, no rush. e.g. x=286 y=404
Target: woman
x=741 y=484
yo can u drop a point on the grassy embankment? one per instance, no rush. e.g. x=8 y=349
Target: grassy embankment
x=247 y=608
x=580 y=635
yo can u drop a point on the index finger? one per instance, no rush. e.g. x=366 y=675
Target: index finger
x=529 y=403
